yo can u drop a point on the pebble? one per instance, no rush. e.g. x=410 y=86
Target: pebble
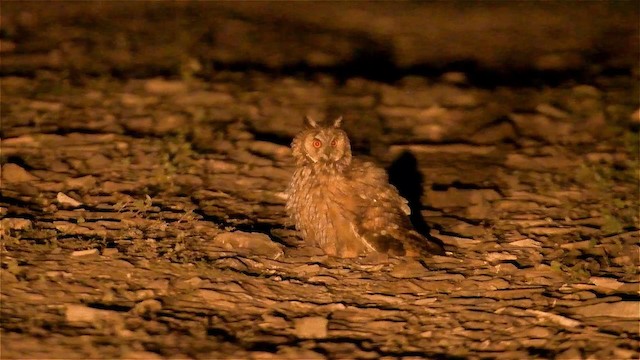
x=427 y=301
x=558 y=319
x=147 y=307
x=454 y=77
x=85 y=252
x=64 y=199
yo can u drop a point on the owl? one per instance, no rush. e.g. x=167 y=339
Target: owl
x=345 y=205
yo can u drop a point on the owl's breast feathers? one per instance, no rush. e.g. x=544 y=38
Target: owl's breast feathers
x=354 y=210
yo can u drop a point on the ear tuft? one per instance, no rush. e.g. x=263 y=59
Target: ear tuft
x=337 y=122
x=309 y=122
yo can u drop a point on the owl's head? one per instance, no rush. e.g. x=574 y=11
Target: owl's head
x=322 y=144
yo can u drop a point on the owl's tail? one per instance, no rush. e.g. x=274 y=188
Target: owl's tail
x=417 y=245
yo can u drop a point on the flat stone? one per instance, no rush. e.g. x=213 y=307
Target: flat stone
x=111 y=187
x=500 y=294
x=456 y=241
x=558 y=319
x=47 y=106
x=85 y=314
x=494 y=257
x=143 y=124
x=409 y=269
x=606 y=282
x=80 y=183
x=85 y=252
x=15 y=224
x=427 y=301
x=551 y=111
x=538 y=332
x=314 y=327
x=544 y=230
x=307 y=269
x=162 y=285
x=621 y=309
x=254 y=243
x=579 y=245
x=160 y=86
x=572 y=353
x=7 y=278
x=526 y=243
x=204 y=98
x=133 y=100
x=218 y=299
x=506 y=268
x=13 y=173
x=109 y=251
x=141 y=355
x=528 y=163
x=494 y=284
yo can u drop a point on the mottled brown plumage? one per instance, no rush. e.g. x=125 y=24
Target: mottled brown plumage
x=344 y=205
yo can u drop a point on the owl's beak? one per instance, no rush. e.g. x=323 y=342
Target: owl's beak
x=326 y=154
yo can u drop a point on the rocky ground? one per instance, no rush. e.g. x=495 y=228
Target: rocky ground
x=142 y=185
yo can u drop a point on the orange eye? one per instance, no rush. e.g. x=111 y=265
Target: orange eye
x=334 y=143
x=317 y=143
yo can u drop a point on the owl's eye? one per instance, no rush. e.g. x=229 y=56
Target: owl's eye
x=334 y=143
x=317 y=143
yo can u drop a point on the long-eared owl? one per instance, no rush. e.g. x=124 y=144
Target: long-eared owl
x=344 y=205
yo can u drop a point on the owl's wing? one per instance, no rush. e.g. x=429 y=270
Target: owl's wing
x=382 y=215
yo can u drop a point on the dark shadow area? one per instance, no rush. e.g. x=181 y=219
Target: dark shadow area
x=404 y=175
x=377 y=65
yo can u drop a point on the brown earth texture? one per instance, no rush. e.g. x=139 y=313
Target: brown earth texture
x=145 y=151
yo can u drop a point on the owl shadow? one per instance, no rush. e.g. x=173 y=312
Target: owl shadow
x=405 y=176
